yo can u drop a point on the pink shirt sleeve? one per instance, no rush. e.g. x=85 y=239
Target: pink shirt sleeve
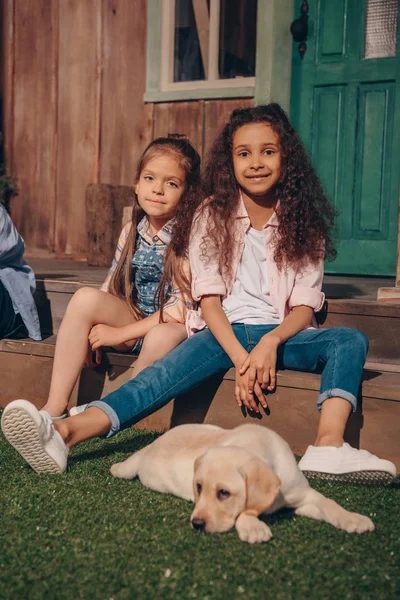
x=204 y=262
x=307 y=287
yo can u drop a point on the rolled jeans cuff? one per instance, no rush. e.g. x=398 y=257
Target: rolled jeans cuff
x=111 y=414
x=337 y=393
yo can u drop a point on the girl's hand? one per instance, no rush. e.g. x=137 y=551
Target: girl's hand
x=261 y=364
x=89 y=362
x=104 y=335
x=245 y=394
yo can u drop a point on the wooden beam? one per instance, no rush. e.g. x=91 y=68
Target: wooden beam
x=398 y=250
x=393 y=294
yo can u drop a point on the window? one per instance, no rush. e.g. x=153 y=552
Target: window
x=207 y=49
x=381 y=28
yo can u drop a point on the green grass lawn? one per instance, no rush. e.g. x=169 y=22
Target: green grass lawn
x=84 y=534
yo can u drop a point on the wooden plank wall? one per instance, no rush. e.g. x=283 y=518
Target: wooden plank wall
x=126 y=122
x=78 y=110
x=73 y=78
x=34 y=117
x=6 y=74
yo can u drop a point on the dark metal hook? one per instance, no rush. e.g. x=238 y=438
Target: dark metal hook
x=299 y=29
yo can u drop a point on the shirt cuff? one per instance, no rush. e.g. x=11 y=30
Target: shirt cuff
x=209 y=286
x=307 y=296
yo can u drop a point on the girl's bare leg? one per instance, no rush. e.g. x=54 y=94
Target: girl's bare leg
x=334 y=415
x=87 y=307
x=93 y=422
x=158 y=342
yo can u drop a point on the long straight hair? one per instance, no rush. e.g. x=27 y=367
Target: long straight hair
x=121 y=284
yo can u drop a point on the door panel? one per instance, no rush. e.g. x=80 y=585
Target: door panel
x=344 y=108
x=372 y=174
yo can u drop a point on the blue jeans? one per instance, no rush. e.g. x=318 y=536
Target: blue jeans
x=338 y=353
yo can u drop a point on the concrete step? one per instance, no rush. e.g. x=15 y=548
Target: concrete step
x=26 y=370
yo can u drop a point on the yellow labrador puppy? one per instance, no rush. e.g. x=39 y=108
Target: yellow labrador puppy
x=233 y=476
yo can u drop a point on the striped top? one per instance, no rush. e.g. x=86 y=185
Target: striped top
x=147 y=269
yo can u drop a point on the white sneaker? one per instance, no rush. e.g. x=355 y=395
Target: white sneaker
x=345 y=464
x=77 y=410
x=32 y=434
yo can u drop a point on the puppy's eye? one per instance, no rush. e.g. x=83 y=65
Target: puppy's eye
x=223 y=494
x=199 y=488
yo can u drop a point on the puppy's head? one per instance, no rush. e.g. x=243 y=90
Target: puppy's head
x=228 y=481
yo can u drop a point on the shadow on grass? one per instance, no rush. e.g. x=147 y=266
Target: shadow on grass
x=109 y=448
x=284 y=514
x=395 y=485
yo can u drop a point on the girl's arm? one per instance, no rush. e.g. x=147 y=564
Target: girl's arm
x=124 y=337
x=208 y=286
x=220 y=327
x=178 y=303
x=261 y=362
x=305 y=299
x=118 y=251
x=298 y=319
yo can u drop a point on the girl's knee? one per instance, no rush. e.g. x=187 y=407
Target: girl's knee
x=85 y=300
x=353 y=340
x=163 y=337
x=154 y=337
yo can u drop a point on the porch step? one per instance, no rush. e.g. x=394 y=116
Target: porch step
x=352 y=303
x=56 y=283
x=380 y=322
x=26 y=371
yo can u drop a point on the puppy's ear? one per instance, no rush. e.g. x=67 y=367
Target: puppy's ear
x=197 y=464
x=262 y=486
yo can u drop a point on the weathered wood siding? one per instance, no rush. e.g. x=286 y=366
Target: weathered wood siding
x=73 y=79
x=34 y=117
x=126 y=122
x=78 y=108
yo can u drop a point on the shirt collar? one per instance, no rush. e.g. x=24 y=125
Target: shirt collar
x=243 y=214
x=163 y=236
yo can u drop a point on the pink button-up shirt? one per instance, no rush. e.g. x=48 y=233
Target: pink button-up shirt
x=289 y=287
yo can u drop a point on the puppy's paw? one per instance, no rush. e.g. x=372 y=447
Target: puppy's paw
x=120 y=470
x=355 y=523
x=252 y=530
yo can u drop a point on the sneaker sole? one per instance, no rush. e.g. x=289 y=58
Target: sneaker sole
x=22 y=432
x=358 y=477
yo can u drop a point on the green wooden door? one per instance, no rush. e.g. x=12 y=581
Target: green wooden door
x=345 y=103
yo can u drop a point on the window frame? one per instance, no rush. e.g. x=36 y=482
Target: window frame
x=160 y=40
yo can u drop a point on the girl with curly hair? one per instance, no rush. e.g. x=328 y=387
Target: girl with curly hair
x=256 y=252
x=147 y=283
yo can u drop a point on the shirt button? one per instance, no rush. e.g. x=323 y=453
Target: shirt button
x=155 y=238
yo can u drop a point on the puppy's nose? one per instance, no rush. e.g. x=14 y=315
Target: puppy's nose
x=198 y=524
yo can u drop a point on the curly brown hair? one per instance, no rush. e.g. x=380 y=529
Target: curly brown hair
x=121 y=284
x=306 y=217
